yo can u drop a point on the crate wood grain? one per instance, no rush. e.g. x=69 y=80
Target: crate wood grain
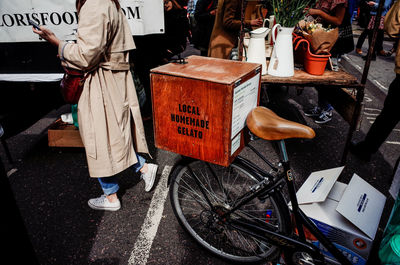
x=61 y=134
x=194 y=113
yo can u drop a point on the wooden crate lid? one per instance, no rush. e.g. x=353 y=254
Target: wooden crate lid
x=208 y=69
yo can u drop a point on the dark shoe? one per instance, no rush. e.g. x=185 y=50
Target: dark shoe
x=391 y=51
x=360 y=151
x=373 y=58
x=326 y=116
x=384 y=54
x=359 y=51
x=313 y=112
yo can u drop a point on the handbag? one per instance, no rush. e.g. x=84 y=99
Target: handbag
x=71 y=85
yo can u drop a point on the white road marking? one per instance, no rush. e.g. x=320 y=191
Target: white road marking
x=358 y=67
x=373 y=109
x=367 y=99
x=371 y=114
x=391 y=142
x=380 y=85
x=141 y=249
x=11 y=171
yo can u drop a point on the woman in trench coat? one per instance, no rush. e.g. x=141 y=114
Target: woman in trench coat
x=109 y=99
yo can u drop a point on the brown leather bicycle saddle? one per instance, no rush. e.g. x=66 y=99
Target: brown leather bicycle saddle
x=265 y=124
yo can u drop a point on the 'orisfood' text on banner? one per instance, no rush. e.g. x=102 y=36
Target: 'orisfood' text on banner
x=60 y=16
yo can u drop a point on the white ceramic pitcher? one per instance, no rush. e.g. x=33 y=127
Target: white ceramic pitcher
x=271 y=23
x=281 y=62
x=256 y=50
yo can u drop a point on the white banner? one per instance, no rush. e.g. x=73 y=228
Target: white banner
x=144 y=16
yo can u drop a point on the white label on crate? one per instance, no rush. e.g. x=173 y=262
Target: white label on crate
x=244 y=100
x=235 y=143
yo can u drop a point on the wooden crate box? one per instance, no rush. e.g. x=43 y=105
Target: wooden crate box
x=61 y=134
x=199 y=108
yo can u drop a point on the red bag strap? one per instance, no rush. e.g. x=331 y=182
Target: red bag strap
x=210 y=5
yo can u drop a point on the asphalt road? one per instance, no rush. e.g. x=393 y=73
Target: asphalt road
x=51 y=187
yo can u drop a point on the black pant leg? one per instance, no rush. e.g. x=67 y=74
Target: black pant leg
x=379 y=41
x=386 y=120
x=362 y=38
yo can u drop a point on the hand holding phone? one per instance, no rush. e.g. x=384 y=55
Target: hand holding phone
x=34 y=24
x=45 y=33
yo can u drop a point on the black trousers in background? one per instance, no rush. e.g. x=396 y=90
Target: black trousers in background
x=362 y=38
x=386 y=120
x=378 y=42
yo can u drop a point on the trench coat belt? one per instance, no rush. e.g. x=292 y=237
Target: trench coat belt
x=115 y=66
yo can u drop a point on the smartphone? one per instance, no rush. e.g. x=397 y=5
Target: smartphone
x=34 y=24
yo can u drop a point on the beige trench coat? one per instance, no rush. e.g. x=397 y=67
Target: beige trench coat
x=392 y=28
x=109 y=96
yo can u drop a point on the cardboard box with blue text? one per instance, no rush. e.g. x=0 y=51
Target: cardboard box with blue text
x=348 y=215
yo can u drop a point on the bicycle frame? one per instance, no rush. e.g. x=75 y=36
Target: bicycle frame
x=267 y=185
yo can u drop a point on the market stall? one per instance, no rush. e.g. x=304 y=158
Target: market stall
x=346 y=93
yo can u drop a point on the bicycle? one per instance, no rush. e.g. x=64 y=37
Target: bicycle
x=239 y=212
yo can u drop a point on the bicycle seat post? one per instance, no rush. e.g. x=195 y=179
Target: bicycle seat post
x=282 y=149
x=291 y=188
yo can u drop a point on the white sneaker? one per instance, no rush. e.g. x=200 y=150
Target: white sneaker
x=67 y=118
x=149 y=176
x=102 y=203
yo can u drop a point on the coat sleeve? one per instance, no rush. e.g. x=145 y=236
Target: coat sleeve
x=93 y=29
x=392 y=21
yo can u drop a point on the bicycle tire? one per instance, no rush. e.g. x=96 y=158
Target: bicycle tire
x=196 y=216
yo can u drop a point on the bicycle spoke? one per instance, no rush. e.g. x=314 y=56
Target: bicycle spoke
x=206 y=199
x=194 y=198
x=233 y=184
x=241 y=239
x=212 y=195
x=196 y=224
x=210 y=185
x=218 y=180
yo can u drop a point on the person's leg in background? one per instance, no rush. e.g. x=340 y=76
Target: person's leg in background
x=379 y=44
x=360 y=41
x=378 y=47
x=394 y=48
x=382 y=126
x=323 y=112
x=370 y=33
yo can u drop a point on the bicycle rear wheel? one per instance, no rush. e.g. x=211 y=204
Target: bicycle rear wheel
x=202 y=219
